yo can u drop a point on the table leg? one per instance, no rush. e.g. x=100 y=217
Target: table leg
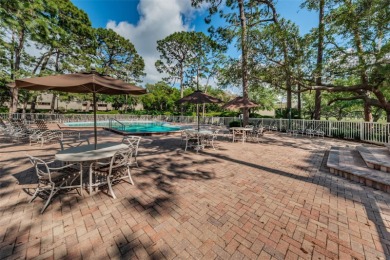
x=90 y=181
x=81 y=179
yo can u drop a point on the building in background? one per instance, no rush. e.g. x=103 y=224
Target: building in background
x=44 y=102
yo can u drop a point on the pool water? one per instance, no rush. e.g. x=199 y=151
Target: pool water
x=147 y=128
x=88 y=124
x=131 y=126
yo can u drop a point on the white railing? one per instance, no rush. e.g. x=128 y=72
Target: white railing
x=113 y=122
x=373 y=132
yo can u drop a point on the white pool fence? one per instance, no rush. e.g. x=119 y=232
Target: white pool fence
x=373 y=132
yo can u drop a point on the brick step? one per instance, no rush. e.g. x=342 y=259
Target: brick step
x=375 y=157
x=347 y=162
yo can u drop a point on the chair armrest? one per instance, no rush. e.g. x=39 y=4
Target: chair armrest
x=99 y=164
x=63 y=167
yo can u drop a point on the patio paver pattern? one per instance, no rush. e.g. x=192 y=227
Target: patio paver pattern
x=269 y=200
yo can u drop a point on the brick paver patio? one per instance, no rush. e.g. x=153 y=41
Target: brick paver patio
x=272 y=200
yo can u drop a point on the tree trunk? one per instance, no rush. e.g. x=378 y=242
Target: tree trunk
x=367 y=112
x=181 y=89
x=45 y=62
x=289 y=97
x=204 y=105
x=16 y=64
x=287 y=71
x=320 y=50
x=38 y=64
x=53 y=103
x=57 y=64
x=33 y=104
x=317 y=104
x=244 y=65
x=24 y=108
x=299 y=105
x=362 y=63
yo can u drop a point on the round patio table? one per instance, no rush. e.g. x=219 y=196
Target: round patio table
x=202 y=134
x=243 y=130
x=87 y=153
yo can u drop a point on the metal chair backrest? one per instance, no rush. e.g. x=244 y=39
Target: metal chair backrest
x=120 y=159
x=41 y=168
x=238 y=131
x=41 y=125
x=72 y=143
x=132 y=141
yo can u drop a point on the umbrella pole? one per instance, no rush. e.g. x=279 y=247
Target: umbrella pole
x=94 y=118
x=197 y=111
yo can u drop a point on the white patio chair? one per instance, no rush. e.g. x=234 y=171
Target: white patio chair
x=319 y=133
x=192 y=139
x=73 y=142
x=256 y=134
x=133 y=142
x=182 y=136
x=52 y=179
x=238 y=135
x=117 y=169
x=210 y=138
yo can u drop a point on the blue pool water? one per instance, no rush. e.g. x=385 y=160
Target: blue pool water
x=148 y=128
x=131 y=126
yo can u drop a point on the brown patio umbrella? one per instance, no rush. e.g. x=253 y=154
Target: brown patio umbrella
x=92 y=82
x=198 y=97
x=239 y=102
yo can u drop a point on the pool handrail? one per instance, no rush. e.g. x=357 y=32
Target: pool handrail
x=114 y=119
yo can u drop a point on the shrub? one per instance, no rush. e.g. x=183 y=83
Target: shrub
x=235 y=124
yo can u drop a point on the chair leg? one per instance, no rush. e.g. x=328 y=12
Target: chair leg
x=52 y=192
x=128 y=172
x=90 y=181
x=110 y=187
x=135 y=161
x=37 y=190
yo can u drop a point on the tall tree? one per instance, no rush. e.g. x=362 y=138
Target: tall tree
x=244 y=15
x=69 y=42
x=22 y=21
x=357 y=48
x=161 y=97
x=180 y=57
x=318 y=5
x=117 y=56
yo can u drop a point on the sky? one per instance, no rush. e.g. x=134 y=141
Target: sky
x=144 y=22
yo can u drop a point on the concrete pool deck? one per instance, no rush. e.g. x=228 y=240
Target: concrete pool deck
x=270 y=200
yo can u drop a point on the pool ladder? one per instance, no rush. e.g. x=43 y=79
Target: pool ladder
x=110 y=123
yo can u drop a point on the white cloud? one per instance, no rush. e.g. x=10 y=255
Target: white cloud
x=158 y=19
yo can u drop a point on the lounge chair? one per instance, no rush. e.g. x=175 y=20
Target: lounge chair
x=41 y=125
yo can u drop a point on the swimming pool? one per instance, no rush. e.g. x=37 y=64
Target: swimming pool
x=140 y=127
